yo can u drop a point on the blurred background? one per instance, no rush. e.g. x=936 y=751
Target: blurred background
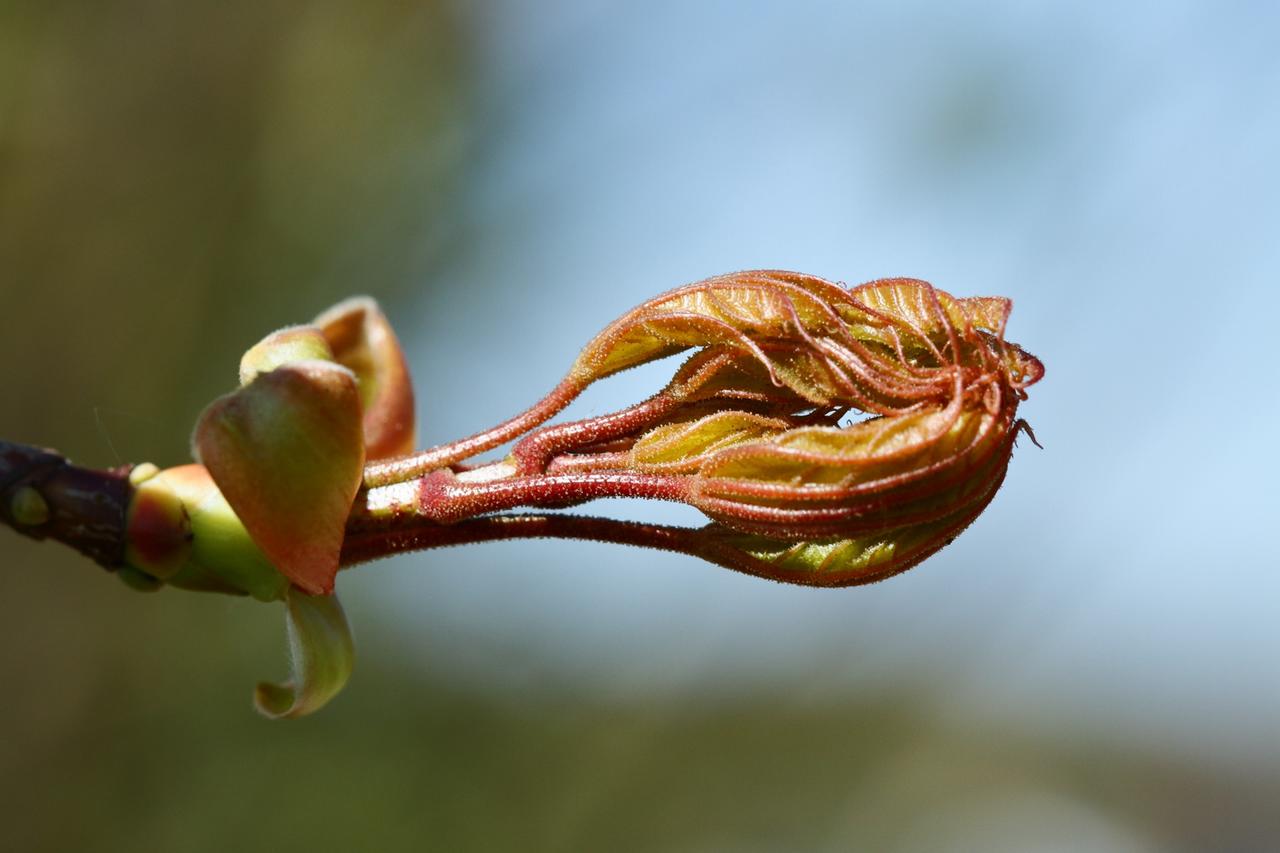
x=1092 y=666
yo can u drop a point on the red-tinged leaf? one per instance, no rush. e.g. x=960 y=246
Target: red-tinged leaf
x=976 y=322
x=724 y=373
x=322 y=656
x=859 y=511
x=825 y=460
x=362 y=340
x=884 y=347
x=287 y=452
x=737 y=310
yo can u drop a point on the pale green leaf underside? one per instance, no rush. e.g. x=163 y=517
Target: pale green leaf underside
x=847 y=559
x=322 y=654
x=681 y=446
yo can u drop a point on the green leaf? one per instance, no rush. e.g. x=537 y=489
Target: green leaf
x=224 y=557
x=322 y=655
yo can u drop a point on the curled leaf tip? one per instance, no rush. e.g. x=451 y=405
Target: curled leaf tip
x=322 y=656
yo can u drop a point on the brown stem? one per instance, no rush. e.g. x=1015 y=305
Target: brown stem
x=43 y=496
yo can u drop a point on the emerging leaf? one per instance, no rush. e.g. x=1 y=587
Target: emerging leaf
x=738 y=311
x=884 y=347
x=684 y=445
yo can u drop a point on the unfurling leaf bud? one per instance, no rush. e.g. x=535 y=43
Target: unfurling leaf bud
x=287 y=449
x=833 y=436
x=753 y=428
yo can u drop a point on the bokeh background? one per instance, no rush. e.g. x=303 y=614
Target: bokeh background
x=1092 y=666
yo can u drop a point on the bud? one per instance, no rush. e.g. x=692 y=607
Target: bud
x=158 y=533
x=183 y=533
x=287 y=449
x=287 y=452
x=754 y=434
x=28 y=507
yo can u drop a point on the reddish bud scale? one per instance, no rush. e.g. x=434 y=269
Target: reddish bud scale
x=363 y=341
x=287 y=452
x=159 y=533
